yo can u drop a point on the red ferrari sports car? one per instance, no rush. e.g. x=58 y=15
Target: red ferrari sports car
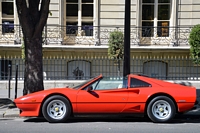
x=134 y=94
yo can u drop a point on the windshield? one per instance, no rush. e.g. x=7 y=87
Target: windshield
x=83 y=83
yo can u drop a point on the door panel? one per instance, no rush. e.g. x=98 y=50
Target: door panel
x=136 y=101
x=102 y=101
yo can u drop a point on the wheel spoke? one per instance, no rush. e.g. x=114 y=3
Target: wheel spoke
x=60 y=106
x=161 y=109
x=55 y=114
x=157 y=113
x=165 y=107
x=166 y=112
x=54 y=105
x=56 y=109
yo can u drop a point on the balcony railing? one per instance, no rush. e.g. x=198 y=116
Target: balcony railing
x=99 y=35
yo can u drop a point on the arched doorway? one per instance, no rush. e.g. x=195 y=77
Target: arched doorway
x=155 y=68
x=79 y=69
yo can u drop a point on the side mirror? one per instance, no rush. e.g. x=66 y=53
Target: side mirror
x=89 y=88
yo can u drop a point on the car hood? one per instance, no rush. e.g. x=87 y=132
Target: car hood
x=40 y=95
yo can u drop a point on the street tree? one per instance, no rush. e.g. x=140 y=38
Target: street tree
x=194 y=41
x=116 y=47
x=33 y=15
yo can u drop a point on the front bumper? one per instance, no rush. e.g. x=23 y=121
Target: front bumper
x=29 y=109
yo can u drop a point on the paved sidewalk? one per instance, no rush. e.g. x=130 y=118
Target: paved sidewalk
x=8 y=108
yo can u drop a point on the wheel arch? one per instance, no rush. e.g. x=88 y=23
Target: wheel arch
x=160 y=94
x=53 y=94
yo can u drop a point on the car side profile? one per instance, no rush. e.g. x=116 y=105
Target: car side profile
x=134 y=94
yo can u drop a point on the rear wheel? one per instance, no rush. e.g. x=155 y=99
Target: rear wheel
x=161 y=109
x=56 y=109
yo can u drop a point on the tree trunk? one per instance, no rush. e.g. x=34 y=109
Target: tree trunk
x=33 y=75
x=118 y=64
x=33 y=19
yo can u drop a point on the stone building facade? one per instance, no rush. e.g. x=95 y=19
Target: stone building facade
x=80 y=28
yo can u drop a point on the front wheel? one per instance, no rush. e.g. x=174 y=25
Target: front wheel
x=161 y=109
x=56 y=109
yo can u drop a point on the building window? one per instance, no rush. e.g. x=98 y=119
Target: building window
x=7 y=8
x=7 y=17
x=156 y=18
x=87 y=8
x=79 y=23
x=72 y=8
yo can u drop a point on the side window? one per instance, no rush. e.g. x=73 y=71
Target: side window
x=138 y=83
x=108 y=84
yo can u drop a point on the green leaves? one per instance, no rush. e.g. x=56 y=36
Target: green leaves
x=194 y=41
x=116 y=45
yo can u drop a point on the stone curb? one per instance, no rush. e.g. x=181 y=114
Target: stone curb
x=8 y=108
x=9 y=113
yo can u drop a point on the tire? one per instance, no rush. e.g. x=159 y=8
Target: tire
x=161 y=109
x=56 y=109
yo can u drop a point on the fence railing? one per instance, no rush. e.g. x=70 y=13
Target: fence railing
x=76 y=68
x=99 y=35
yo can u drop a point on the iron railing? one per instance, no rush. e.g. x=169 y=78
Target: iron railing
x=76 y=68
x=99 y=35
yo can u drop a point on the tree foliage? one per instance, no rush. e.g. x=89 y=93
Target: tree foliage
x=33 y=16
x=194 y=41
x=116 y=45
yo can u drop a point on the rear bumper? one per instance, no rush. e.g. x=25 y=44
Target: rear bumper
x=184 y=107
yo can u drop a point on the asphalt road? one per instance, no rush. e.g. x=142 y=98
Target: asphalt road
x=99 y=125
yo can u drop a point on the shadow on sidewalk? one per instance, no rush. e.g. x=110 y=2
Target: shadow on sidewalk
x=6 y=103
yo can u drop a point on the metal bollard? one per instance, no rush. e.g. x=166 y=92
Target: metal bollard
x=9 y=78
x=16 y=79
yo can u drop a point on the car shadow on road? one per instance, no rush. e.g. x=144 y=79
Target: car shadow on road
x=92 y=119
x=81 y=119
